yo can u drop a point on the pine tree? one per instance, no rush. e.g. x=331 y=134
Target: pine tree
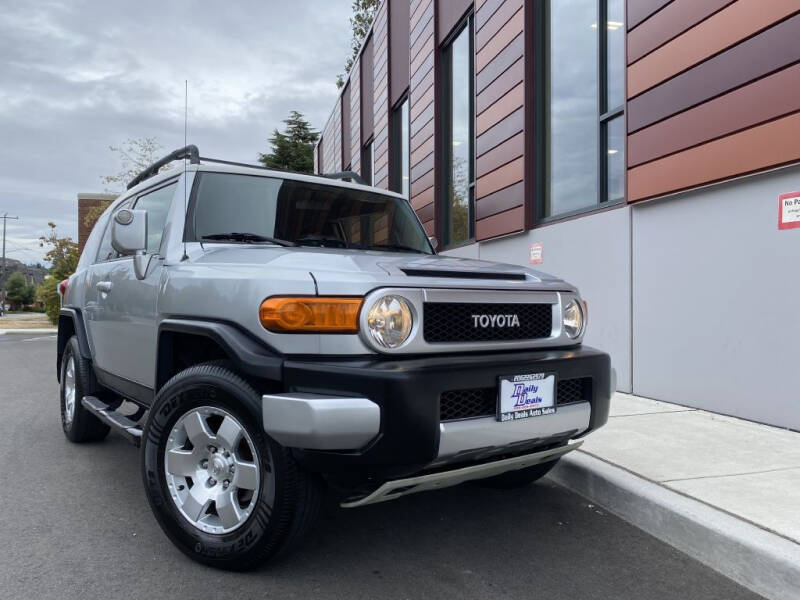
x=292 y=149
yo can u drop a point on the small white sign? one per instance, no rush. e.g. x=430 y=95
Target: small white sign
x=536 y=254
x=789 y=210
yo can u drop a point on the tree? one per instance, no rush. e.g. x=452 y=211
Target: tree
x=134 y=155
x=18 y=292
x=63 y=256
x=360 y=22
x=294 y=148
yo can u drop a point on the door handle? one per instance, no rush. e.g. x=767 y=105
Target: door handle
x=104 y=286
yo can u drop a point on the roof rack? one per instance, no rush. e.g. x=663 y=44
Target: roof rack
x=193 y=154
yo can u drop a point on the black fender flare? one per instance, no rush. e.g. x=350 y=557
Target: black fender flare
x=70 y=322
x=248 y=355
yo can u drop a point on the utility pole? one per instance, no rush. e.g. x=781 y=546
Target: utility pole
x=3 y=272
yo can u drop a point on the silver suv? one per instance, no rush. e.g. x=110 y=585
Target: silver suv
x=263 y=335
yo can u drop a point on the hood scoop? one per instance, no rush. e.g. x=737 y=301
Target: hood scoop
x=476 y=274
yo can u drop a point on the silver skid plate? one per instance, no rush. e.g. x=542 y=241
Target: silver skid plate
x=435 y=481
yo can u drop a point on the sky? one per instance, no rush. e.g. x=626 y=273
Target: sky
x=79 y=76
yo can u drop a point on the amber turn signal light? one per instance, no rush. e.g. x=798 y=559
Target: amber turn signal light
x=312 y=314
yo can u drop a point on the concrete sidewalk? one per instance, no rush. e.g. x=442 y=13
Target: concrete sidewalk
x=724 y=490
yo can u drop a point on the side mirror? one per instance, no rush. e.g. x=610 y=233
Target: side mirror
x=434 y=242
x=129 y=237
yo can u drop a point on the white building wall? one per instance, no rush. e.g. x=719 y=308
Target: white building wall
x=716 y=300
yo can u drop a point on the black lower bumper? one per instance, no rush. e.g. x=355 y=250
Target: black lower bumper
x=408 y=392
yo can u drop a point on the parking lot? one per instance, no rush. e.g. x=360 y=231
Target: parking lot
x=75 y=524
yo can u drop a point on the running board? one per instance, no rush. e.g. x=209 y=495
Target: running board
x=120 y=423
x=436 y=481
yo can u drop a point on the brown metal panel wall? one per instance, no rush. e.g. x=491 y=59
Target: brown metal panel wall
x=346 y=125
x=755 y=149
x=674 y=19
x=448 y=15
x=367 y=90
x=500 y=118
x=328 y=151
x=763 y=100
x=719 y=100
x=355 y=117
x=337 y=135
x=729 y=26
x=422 y=105
x=639 y=10
x=399 y=21
x=380 y=36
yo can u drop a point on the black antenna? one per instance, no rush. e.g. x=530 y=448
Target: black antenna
x=185 y=144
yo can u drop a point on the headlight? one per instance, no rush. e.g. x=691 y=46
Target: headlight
x=389 y=321
x=573 y=320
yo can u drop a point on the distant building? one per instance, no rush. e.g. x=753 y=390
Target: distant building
x=86 y=204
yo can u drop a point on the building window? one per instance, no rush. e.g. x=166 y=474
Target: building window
x=584 y=104
x=401 y=175
x=367 y=162
x=458 y=138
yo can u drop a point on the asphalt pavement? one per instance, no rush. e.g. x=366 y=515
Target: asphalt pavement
x=74 y=523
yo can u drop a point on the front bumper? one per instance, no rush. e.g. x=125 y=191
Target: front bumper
x=379 y=418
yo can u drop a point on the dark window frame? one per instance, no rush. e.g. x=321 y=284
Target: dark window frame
x=395 y=138
x=605 y=114
x=444 y=128
x=368 y=166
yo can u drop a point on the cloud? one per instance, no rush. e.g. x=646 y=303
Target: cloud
x=76 y=77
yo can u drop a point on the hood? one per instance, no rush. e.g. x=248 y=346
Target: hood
x=334 y=269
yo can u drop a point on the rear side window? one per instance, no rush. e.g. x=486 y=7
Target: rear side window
x=156 y=203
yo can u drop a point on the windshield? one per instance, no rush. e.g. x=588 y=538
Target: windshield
x=253 y=209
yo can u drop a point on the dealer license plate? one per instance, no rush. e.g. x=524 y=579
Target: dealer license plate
x=525 y=396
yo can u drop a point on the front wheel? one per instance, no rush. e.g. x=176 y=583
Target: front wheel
x=223 y=491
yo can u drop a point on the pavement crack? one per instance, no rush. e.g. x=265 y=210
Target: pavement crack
x=797 y=467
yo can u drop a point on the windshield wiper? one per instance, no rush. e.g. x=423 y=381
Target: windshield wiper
x=397 y=247
x=247 y=238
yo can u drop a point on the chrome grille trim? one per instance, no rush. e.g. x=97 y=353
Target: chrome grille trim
x=417 y=298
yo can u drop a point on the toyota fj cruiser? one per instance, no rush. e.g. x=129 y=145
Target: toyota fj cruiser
x=261 y=334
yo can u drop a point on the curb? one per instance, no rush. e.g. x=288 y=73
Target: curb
x=763 y=562
x=32 y=330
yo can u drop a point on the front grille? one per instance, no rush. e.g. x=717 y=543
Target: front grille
x=456 y=322
x=455 y=405
x=573 y=390
x=466 y=404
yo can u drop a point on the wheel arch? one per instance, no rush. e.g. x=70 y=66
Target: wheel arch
x=185 y=342
x=70 y=322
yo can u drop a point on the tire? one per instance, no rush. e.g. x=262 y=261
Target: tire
x=519 y=478
x=272 y=513
x=77 y=381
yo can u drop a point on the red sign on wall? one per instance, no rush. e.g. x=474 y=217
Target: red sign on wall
x=789 y=210
x=536 y=254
